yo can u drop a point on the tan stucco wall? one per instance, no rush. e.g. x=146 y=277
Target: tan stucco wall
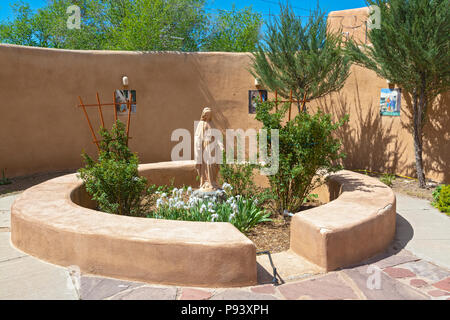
x=351 y=23
x=41 y=128
x=377 y=142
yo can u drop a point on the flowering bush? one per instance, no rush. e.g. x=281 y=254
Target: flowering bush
x=221 y=206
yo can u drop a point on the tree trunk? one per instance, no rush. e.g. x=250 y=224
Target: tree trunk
x=419 y=162
x=300 y=107
x=417 y=119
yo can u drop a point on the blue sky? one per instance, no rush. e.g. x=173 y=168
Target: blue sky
x=301 y=7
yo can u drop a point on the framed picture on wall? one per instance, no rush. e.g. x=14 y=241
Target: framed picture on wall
x=390 y=102
x=253 y=97
x=122 y=97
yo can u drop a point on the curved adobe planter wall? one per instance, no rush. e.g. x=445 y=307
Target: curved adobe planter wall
x=55 y=222
x=48 y=222
x=358 y=223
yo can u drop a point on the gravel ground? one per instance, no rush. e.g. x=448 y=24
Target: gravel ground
x=21 y=183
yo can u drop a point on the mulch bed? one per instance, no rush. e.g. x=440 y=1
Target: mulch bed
x=274 y=236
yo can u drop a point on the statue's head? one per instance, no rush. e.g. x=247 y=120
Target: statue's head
x=206 y=114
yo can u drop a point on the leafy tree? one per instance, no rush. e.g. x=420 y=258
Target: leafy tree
x=161 y=25
x=304 y=58
x=146 y=25
x=19 y=31
x=236 y=30
x=411 y=49
x=307 y=151
x=47 y=27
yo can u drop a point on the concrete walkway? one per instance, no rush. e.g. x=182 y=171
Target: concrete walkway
x=415 y=266
x=423 y=230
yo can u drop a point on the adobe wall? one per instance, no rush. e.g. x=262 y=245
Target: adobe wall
x=43 y=130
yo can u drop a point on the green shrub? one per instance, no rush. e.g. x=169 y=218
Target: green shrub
x=442 y=198
x=182 y=204
x=113 y=180
x=239 y=176
x=388 y=179
x=435 y=194
x=306 y=145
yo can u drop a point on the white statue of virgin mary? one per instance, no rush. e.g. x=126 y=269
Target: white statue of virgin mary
x=207 y=165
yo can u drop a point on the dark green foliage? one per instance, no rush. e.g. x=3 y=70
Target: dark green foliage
x=239 y=176
x=300 y=57
x=307 y=151
x=411 y=49
x=113 y=180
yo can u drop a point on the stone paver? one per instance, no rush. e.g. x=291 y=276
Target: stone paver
x=6 y=202
x=289 y=266
x=418 y=283
x=28 y=278
x=437 y=293
x=266 y=289
x=5 y=220
x=383 y=287
x=97 y=288
x=427 y=270
x=324 y=288
x=391 y=257
x=148 y=293
x=443 y=284
x=7 y=252
x=242 y=294
x=195 y=294
x=399 y=272
x=421 y=233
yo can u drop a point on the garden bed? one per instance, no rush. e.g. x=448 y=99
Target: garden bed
x=274 y=235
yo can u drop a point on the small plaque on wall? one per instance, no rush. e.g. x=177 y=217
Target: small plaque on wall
x=390 y=102
x=122 y=97
x=253 y=97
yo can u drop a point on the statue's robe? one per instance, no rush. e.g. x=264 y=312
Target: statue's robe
x=203 y=149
